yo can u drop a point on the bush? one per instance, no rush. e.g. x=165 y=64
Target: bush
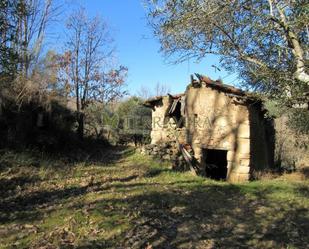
x=291 y=151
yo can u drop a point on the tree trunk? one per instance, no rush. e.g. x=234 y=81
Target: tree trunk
x=80 y=129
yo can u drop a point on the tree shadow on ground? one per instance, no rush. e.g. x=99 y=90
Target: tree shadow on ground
x=305 y=172
x=20 y=168
x=23 y=201
x=210 y=216
x=174 y=214
x=32 y=206
x=303 y=191
x=218 y=216
x=89 y=154
x=155 y=172
x=13 y=184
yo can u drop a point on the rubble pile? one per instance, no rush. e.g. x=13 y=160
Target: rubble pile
x=166 y=151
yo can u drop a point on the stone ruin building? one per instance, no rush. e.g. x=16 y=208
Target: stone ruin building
x=223 y=127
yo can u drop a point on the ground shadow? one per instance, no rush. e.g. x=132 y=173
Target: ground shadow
x=213 y=216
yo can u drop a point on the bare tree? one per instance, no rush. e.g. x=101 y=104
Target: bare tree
x=89 y=52
x=161 y=89
x=158 y=90
x=33 y=17
x=23 y=27
x=144 y=93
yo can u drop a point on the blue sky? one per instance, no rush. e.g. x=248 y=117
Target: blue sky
x=139 y=50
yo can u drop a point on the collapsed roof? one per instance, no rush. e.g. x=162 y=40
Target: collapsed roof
x=207 y=82
x=152 y=101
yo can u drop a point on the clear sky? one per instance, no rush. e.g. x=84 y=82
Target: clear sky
x=139 y=50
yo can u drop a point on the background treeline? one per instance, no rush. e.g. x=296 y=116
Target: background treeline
x=58 y=99
x=55 y=99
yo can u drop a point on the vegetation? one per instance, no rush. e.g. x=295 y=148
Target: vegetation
x=89 y=51
x=23 y=25
x=134 y=121
x=58 y=91
x=291 y=144
x=69 y=177
x=265 y=42
x=119 y=199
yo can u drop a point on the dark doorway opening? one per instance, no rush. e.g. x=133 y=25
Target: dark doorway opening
x=215 y=162
x=175 y=112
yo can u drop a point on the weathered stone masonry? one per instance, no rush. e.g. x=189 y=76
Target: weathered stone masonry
x=220 y=123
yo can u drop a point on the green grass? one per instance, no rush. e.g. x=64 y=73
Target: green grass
x=132 y=201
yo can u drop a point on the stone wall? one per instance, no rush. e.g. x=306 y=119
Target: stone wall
x=158 y=132
x=166 y=151
x=219 y=123
x=216 y=120
x=164 y=129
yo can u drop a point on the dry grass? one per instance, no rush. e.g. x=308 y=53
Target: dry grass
x=131 y=201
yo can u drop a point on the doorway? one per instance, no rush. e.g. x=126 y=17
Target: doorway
x=215 y=162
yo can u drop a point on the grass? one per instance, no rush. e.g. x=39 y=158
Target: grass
x=132 y=201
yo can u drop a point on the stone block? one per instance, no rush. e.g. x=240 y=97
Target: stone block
x=245 y=162
x=243 y=177
x=244 y=155
x=230 y=155
x=244 y=131
x=238 y=177
x=243 y=170
x=243 y=145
